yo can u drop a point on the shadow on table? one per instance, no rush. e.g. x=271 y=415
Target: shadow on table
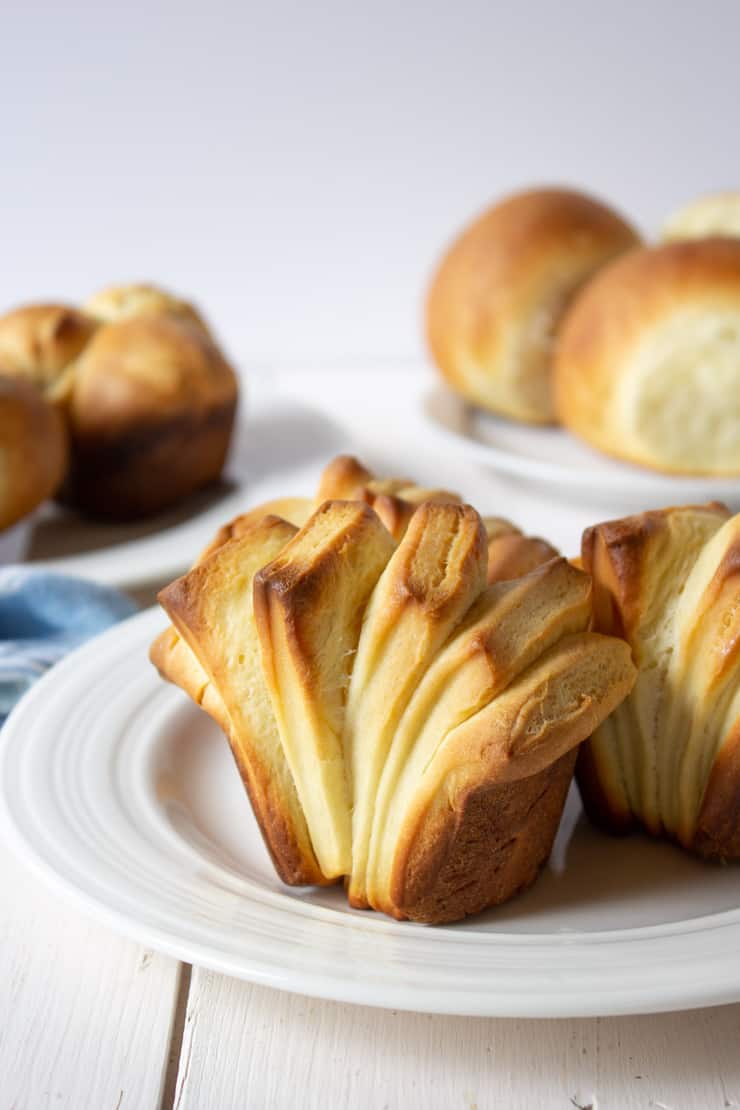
x=281 y=439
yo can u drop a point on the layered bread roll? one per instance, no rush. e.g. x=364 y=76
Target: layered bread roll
x=428 y=722
x=501 y=289
x=150 y=413
x=668 y=758
x=647 y=366
x=121 y=302
x=33 y=450
x=718 y=214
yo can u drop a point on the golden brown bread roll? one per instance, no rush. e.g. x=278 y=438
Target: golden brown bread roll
x=668 y=758
x=40 y=342
x=33 y=450
x=718 y=214
x=413 y=704
x=648 y=358
x=150 y=414
x=500 y=291
x=121 y=302
x=148 y=397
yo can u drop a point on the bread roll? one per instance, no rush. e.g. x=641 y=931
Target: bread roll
x=429 y=722
x=148 y=397
x=33 y=450
x=150 y=415
x=668 y=758
x=718 y=214
x=499 y=292
x=648 y=359
x=40 y=343
x=121 y=302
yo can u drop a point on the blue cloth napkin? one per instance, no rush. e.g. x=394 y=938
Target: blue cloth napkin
x=42 y=617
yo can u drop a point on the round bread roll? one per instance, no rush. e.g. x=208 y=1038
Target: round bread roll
x=150 y=415
x=33 y=449
x=718 y=214
x=648 y=358
x=120 y=302
x=39 y=342
x=501 y=289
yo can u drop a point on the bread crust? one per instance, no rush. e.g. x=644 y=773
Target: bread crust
x=717 y=835
x=199 y=604
x=516 y=755
x=481 y=845
x=395 y=500
x=151 y=414
x=668 y=760
x=39 y=342
x=514 y=555
x=33 y=450
x=616 y=334
x=121 y=302
x=500 y=290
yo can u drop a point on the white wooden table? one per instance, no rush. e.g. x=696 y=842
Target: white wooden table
x=89 y=1019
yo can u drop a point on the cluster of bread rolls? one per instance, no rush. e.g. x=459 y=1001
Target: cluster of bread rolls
x=405 y=699
x=138 y=404
x=549 y=309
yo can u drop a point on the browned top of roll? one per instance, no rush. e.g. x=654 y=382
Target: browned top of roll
x=121 y=302
x=148 y=369
x=40 y=341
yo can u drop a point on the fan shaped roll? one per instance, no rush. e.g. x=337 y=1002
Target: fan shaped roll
x=421 y=724
x=668 y=759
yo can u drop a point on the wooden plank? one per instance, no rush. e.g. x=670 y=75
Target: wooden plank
x=248 y=1046
x=85 y=1016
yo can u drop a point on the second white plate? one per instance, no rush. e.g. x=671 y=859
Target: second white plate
x=124 y=796
x=563 y=464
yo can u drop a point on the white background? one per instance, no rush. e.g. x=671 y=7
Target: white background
x=297 y=167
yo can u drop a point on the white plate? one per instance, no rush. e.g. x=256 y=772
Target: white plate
x=556 y=459
x=278 y=445
x=124 y=797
